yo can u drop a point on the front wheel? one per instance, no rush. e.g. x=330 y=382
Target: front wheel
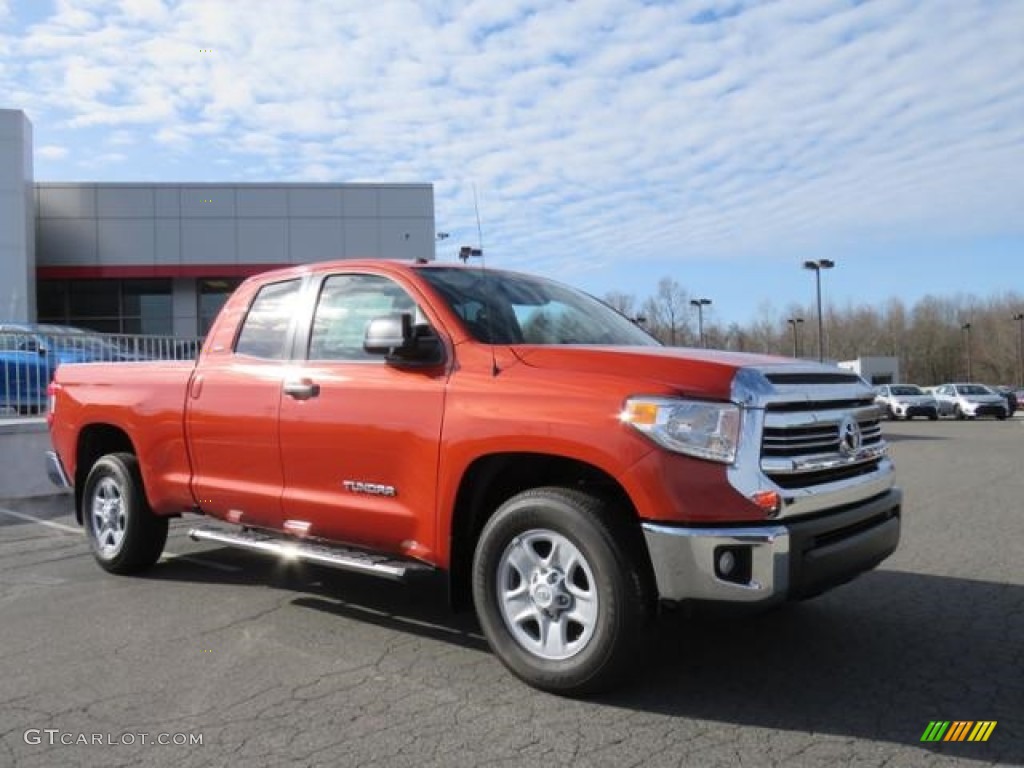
x=124 y=534
x=560 y=591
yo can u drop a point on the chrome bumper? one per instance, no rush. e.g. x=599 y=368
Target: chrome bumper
x=684 y=562
x=771 y=563
x=55 y=470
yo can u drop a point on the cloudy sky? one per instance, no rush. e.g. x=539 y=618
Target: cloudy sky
x=610 y=142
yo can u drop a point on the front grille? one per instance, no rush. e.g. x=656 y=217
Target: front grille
x=814 y=439
x=803 y=448
x=810 y=479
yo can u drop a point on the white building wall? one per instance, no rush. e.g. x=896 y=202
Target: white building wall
x=874 y=370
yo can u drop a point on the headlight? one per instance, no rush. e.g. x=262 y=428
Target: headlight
x=706 y=430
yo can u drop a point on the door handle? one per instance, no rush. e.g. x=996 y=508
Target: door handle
x=301 y=389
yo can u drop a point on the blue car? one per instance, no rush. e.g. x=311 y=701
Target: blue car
x=24 y=377
x=63 y=343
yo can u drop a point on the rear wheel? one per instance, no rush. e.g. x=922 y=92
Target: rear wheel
x=559 y=590
x=124 y=534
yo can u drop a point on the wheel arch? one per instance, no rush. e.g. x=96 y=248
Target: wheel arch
x=492 y=479
x=95 y=441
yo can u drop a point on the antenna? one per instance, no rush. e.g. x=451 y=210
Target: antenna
x=487 y=290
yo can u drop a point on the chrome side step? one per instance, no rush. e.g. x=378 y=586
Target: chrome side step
x=344 y=558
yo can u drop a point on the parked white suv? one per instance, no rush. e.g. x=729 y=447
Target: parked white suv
x=905 y=401
x=968 y=401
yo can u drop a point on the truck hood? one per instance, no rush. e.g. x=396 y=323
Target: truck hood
x=690 y=372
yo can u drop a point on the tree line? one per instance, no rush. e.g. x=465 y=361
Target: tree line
x=937 y=339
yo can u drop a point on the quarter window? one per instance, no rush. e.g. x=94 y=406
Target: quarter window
x=265 y=330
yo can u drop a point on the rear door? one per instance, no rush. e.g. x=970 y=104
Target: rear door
x=232 y=413
x=360 y=437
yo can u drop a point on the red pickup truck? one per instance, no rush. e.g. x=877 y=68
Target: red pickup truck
x=565 y=471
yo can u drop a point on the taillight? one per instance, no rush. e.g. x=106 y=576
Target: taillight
x=51 y=401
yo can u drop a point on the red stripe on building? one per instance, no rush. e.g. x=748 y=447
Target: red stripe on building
x=154 y=270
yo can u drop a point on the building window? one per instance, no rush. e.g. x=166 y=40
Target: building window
x=108 y=306
x=213 y=292
x=146 y=307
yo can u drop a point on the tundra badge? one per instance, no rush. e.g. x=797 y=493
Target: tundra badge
x=374 y=489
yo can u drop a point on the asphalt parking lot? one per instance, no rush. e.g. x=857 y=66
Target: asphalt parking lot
x=275 y=665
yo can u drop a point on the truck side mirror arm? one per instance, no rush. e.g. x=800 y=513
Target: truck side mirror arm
x=402 y=343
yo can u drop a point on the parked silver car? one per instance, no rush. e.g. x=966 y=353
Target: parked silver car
x=905 y=401
x=969 y=401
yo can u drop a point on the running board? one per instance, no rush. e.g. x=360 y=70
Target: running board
x=343 y=558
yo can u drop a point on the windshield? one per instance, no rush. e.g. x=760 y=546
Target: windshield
x=906 y=389
x=973 y=389
x=506 y=308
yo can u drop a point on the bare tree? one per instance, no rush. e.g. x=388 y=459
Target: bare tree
x=622 y=302
x=668 y=313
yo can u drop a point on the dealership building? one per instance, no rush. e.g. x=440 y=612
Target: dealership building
x=161 y=258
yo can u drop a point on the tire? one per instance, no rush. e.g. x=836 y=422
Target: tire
x=124 y=534
x=933 y=416
x=554 y=559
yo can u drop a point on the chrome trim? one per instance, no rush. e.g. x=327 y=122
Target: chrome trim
x=797 y=502
x=290 y=548
x=799 y=465
x=749 y=473
x=684 y=568
x=55 y=470
x=823 y=417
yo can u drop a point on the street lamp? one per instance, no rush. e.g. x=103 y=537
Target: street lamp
x=817 y=265
x=1019 y=317
x=439 y=237
x=700 y=304
x=795 y=321
x=966 y=328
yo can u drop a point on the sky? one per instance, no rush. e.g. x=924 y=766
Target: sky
x=607 y=143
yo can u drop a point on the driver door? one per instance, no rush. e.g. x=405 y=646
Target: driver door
x=360 y=436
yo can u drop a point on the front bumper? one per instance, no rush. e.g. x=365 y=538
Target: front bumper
x=985 y=409
x=910 y=411
x=55 y=470
x=775 y=562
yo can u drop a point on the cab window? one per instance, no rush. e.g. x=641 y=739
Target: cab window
x=346 y=305
x=264 y=331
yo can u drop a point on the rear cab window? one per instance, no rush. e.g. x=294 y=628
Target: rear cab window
x=265 y=331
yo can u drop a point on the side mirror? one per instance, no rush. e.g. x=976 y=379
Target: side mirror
x=402 y=343
x=388 y=334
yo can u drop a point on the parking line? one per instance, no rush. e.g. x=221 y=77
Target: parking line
x=47 y=523
x=78 y=532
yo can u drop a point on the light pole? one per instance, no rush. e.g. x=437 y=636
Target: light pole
x=700 y=304
x=795 y=321
x=966 y=328
x=1019 y=317
x=439 y=237
x=817 y=265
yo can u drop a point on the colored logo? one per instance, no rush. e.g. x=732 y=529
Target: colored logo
x=958 y=730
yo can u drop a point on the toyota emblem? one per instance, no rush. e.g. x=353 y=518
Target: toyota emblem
x=850 y=437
